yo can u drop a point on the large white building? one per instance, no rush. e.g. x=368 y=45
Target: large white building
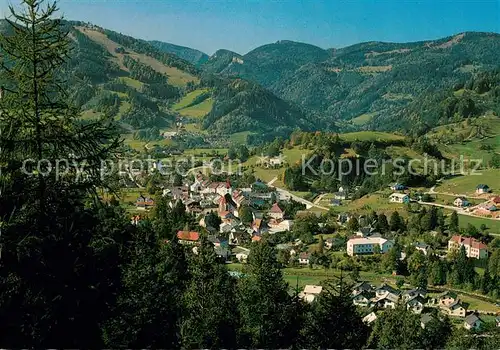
x=473 y=248
x=399 y=198
x=360 y=246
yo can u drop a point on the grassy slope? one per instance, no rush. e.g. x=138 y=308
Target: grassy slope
x=481 y=131
x=176 y=77
x=362 y=119
x=370 y=135
x=188 y=99
x=198 y=111
x=466 y=185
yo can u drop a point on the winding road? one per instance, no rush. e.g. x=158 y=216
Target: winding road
x=288 y=194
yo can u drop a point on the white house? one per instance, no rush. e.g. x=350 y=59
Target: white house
x=363 y=298
x=399 y=198
x=472 y=322
x=366 y=245
x=416 y=304
x=310 y=292
x=388 y=300
x=424 y=248
x=304 y=258
x=371 y=317
x=460 y=202
x=482 y=188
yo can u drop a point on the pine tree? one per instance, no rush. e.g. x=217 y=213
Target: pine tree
x=58 y=265
x=267 y=309
x=210 y=305
x=454 y=222
x=333 y=321
x=321 y=245
x=396 y=329
x=149 y=311
x=396 y=222
x=382 y=224
x=36 y=121
x=353 y=225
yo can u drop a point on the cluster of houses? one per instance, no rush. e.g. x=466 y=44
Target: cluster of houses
x=365 y=295
x=416 y=300
x=204 y=196
x=490 y=207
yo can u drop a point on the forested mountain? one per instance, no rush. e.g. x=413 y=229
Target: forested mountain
x=374 y=80
x=136 y=83
x=193 y=56
x=241 y=105
x=278 y=87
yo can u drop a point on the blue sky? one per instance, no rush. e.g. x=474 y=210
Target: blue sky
x=242 y=25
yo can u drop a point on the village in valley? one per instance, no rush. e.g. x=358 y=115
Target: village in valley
x=314 y=244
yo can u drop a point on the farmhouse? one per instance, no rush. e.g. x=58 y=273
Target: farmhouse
x=416 y=304
x=360 y=246
x=398 y=187
x=304 y=258
x=423 y=247
x=456 y=309
x=310 y=292
x=472 y=322
x=399 y=198
x=276 y=212
x=461 y=202
x=363 y=298
x=340 y=195
x=473 y=248
x=447 y=298
x=188 y=237
x=386 y=301
x=482 y=188
x=144 y=202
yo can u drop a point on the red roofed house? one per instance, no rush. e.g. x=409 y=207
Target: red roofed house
x=188 y=237
x=256 y=238
x=276 y=212
x=473 y=248
x=496 y=200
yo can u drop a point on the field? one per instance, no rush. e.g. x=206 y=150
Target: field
x=240 y=138
x=199 y=110
x=370 y=136
x=135 y=84
x=375 y=201
x=362 y=119
x=492 y=226
x=129 y=140
x=466 y=185
x=188 y=99
x=306 y=275
x=467 y=138
x=90 y=114
x=194 y=127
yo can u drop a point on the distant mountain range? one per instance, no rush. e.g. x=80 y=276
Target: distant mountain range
x=276 y=88
x=193 y=56
x=365 y=85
